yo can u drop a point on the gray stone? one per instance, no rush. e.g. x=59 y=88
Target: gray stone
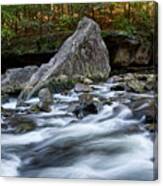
x=19 y=124
x=14 y=80
x=79 y=87
x=46 y=99
x=87 y=105
x=83 y=53
x=145 y=107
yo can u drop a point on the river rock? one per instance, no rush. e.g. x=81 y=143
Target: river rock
x=83 y=110
x=133 y=82
x=145 y=107
x=82 y=53
x=87 y=81
x=79 y=87
x=135 y=85
x=81 y=79
x=118 y=87
x=45 y=102
x=151 y=127
x=19 y=124
x=62 y=78
x=14 y=80
x=86 y=98
x=46 y=99
x=87 y=105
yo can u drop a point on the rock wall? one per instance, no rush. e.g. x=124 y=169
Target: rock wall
x=127 y=51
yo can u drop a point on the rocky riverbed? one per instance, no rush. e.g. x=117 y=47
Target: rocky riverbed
x=104 y=131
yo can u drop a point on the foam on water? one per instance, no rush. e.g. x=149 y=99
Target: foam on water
x=97 y=146
x=10 y=165
x=10 y=105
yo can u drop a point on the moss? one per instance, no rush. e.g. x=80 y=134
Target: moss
x=25 y=127
x=35 y=109
x=108 y=102
x=61 y=86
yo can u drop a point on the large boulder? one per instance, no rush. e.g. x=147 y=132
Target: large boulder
x=83 y=53
x=14 y=80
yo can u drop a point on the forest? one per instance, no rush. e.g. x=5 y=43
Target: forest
x=39 y=22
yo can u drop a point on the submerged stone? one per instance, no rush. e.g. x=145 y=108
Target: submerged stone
x=20 y=124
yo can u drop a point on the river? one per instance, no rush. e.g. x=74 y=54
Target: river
x=112 y=144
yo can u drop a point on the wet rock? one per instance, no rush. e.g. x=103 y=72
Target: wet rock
x=135 y=85
x=62 y=78
x=151 y=82
x=87 y=81
x=78 y=78
x=83 y=53
x=145 y=107
x=118 y=87
x=14 y=80
x=34 y=109
x=82 y=79
x=85 y=109
x=151 y=127
x=20 y=124
x=133 y=82
x=79 y=87
x=7 y=112
x=85 y=98
x=46 y=100
x=87 y=105
x=115 y=79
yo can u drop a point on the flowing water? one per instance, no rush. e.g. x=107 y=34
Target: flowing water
x=112 y=144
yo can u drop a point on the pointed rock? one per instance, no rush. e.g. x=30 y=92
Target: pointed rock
x=83 y=53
